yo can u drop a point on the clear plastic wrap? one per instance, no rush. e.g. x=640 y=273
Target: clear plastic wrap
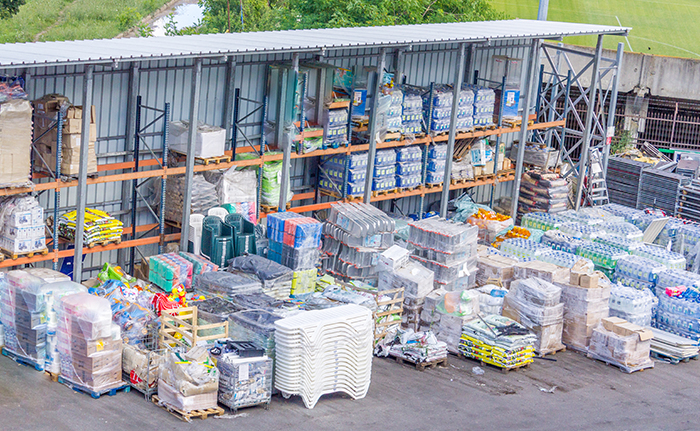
x=602 y=255
x=626 y=351
x=244 y=382
x=226 y=284
x=89 y=344
x=416 y=280
x=670 y=259
x=188 y=383
x=541 y=221
x=632 y=304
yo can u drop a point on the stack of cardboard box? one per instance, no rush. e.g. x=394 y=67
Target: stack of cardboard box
x=46 y=110
x=621 y=343
x=585 y=300
x=494 y=267
x=397 y=271
x=15 y=142
x=89 y=343
x=535 y=304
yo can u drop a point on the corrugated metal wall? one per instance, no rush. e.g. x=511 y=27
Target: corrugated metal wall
x=170 y=81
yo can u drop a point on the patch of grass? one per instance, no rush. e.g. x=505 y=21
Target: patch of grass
x=74 y=19
x=658 y=27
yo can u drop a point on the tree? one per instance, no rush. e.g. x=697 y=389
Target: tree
x=9 y=7
x=261 y=15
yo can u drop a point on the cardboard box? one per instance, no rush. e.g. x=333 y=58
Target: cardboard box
x=544 y=270
x=589 y=281
x=610 y=322
x=83 y=347
x=575 y=278
x=393 y=258
x=507 y=164
x=98 y=362
x=15 y=142
x=210 y=140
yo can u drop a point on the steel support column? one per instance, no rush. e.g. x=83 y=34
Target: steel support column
x=373 y=127
x=88 y=82
x=613 y=102
x=456 y=90
x=191 y=140
x=128 y=145
x=289 y=139
x=590 y=112
x=229 y=101
x=532 y=69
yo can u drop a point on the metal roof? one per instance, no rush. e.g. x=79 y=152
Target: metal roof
x=211 y=45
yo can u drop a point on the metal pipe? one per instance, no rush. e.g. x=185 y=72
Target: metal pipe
x=542 y=11
x=82 y=174
x=289 y=138
x=234 y=123
x=590 y=112
x=534 y=55
x=613 y=103
x=501 y=108
x=456 y=91
x=229 y=99
x=373 y=127
x=189 y=163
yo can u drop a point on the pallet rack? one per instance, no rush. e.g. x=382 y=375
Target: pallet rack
x=100 y=59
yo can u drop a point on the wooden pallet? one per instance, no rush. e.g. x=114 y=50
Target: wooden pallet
x=501 y=175
x=177 y=224
x=14 y=256
x=488 y=127
x=408 y=189
x=503 y=370
x=455 y=181
x=445 y=133
x=623 y=368
x=376 y=193
x=433 y=186
x=515 y=123
x=272 y=209
x=28 y=362
x=95 y=394
x=421 y=366
x=551 y=351
x=206 y=160
x=52 y=376
x=485 y=177
x=188 y=416
x=337 y=196
x=392 y=137
x=671 y=359
x=111 y=241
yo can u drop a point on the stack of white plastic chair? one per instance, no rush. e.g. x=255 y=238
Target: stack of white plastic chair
x=324 y=351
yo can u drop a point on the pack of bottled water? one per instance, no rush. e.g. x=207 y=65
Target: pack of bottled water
x=523 y=248
x=675 y=278
x=639 y=268
x=680 y=315
x=601 y=254
x=633 y=305
x=622 y=243
x=541 y=221
x=581 y=231
x=599 y=213
x=579 y=217
x=627 y=213
x=562 y=258
x=558 y=240
x=623 y=229
x=670 y=259
x=632 y=282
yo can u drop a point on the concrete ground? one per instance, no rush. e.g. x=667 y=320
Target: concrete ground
x=588 y=395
